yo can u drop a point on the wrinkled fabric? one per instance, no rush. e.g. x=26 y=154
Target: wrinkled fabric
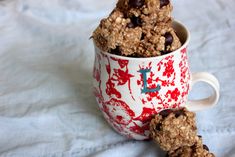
x=47 y=108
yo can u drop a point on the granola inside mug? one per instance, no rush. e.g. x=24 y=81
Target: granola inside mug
x=130 y=90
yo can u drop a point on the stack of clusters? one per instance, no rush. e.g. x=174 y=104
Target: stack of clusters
x=175 y=131
x=138 y=28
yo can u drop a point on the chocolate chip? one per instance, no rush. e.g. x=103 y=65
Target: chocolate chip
x=134 y=55
x=116 y=51
x=142 y=36
x=164 y=3
x=136 y=3
x=199 y=136
x=136 y=21
x=194 y=149
x=158 y=127
x=205 y=147
x=164 y=52
x=179 y=113
x=165 y=113
x=168 y=39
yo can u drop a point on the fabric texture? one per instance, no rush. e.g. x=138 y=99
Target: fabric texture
x=47 y=108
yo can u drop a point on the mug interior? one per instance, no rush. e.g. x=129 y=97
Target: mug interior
x=181 y=32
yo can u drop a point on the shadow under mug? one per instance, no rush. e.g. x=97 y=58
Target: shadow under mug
x=129 y=91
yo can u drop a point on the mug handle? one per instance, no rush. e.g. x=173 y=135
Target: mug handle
x=196 y=105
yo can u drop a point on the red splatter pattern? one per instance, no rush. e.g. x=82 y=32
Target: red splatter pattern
x=169 y=70
x=184 y=73
x=119 y=77
x=173 y=95
x=124 y=117
x=116 y=111
x=146 y=115
x=111 y=90
x=122 y=77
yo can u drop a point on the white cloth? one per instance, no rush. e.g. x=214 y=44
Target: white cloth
x=46 y=104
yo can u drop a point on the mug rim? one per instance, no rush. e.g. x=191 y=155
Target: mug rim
x=156 y=57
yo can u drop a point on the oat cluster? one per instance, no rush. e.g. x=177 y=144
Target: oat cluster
x=196 y=150
x=138 y=28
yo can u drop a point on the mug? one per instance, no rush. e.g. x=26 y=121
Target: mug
x=129 y=91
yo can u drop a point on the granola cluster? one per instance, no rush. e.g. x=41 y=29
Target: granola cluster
x=138 y=28
x=175 y=131
x=196 y=150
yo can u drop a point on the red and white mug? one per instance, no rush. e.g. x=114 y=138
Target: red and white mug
x=130 y=91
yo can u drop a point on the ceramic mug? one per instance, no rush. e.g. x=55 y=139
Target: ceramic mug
x=130 y=91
